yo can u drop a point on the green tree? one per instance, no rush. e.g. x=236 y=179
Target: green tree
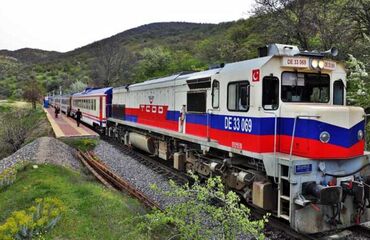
x=32 y=92
x=204 y=211
x=155 y=62
x=77 y=86
x=358 y=91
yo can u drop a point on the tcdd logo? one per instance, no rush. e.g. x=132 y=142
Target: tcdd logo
x=151 y=98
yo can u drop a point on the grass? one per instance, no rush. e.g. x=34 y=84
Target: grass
x=93 y=212
x=84 y=144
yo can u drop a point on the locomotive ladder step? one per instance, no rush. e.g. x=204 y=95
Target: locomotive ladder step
x=286 y=198
x=283 y=216
x=283 y=213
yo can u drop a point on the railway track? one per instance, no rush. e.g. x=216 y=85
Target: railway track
x=361 y=230
x=157 y=165
x=105 y=175
x=111 y=180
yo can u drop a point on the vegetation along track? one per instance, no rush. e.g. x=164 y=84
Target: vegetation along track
x=179 y=177
x=162 y=168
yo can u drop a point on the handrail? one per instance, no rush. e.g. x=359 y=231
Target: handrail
x=365 y=138
x=275 y=135
x=294 y=128
x=209 y=112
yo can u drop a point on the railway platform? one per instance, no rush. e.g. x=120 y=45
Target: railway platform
x=65 y=127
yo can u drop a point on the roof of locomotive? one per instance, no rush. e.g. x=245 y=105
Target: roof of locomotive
x=94 y=92
x=179 y=79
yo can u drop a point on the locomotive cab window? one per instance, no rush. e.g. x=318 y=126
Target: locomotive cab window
x=305 y=87
x=197 y=102
x=338 y=98
x=270 y=93
x=238 y=96
x=215 y=94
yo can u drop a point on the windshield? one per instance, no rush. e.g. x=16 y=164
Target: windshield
x=305 y=87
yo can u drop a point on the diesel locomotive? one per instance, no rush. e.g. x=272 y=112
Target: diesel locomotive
x=276 y=128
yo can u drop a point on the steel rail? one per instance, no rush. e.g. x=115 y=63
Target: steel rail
x=109 y=178
x=157 y=166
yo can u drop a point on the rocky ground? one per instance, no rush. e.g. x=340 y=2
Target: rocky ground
x=43 y=150
x=131 y=170
x=143 y=177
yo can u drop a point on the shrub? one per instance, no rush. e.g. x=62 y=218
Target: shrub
x=83 y=144
x=33 y=222
x=204 y=211
x=8 y=176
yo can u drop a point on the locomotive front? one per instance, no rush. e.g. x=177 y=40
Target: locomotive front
x=322 y=167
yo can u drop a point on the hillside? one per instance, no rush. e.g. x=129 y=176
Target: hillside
x=160 y=49
x=29 y=55
x=147 y=51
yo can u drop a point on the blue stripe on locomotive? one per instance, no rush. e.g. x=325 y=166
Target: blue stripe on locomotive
x=305 y=128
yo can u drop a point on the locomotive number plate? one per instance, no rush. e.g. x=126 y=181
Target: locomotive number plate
x=238 y=124
x=304 y=168
x=298 y=62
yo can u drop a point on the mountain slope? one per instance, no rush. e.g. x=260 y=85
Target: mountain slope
x=29 y=55
x=148 y=51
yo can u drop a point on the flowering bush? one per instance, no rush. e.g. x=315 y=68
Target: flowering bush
x=203 y=211
x=33 y=222
x=8 y=176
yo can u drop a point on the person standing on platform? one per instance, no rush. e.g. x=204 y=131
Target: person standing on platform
x=78 y=117
x=57 y=109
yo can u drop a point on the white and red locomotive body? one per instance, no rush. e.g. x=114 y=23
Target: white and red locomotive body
x=280 y=119
x=276 y=128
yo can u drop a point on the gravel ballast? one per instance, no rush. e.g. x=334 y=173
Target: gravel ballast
x=140 y=176
x=43 y=150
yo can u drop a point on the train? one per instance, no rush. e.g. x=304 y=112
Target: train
x=94 y=103
x=276 y=128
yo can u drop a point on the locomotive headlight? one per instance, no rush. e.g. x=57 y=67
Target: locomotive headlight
x=324 y=137
x=314 y=63
x=360 y=135
x=321 y=64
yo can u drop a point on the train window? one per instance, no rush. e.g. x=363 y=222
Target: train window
x=199 y=83
x=215 y=94
x=196 y=102
x=305 y=87
x=238 y=96
x=338 y=98
x=270 y=93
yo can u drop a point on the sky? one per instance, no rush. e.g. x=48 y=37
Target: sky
x=63 y=25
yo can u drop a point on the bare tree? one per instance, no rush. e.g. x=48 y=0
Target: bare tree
x=292 y=18
x=359 y=11
x=14 y=129
x=315 y=24
x=109 y=63
x=32 y=92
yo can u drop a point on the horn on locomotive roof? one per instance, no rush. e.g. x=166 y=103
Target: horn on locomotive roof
x=276 y=49
x=333 y=51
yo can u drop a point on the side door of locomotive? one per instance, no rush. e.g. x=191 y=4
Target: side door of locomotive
x=197 y=116
x=270 y=105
